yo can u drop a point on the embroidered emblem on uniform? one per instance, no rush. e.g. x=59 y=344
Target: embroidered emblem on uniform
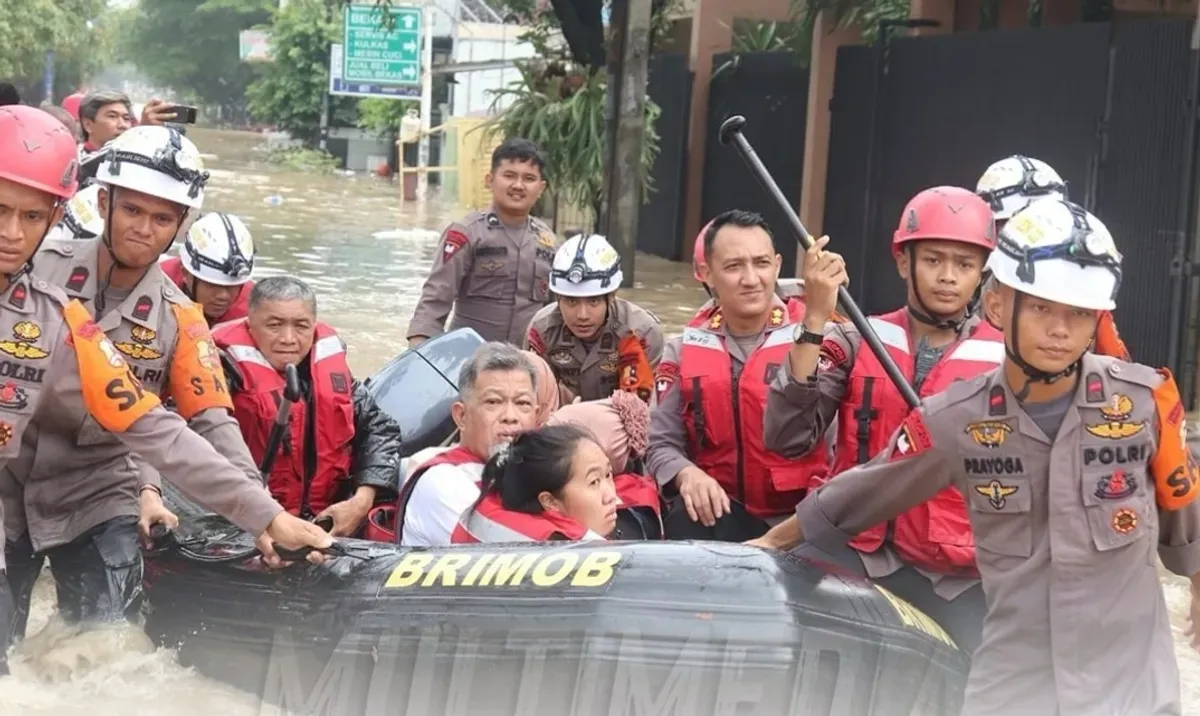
x=913 y=438
x=997 y=401
x=13 y=396
x=715 y=323
x=1117 y=424
x=140 y=350
x=78 y=277
x=18 y=296
x=610 y=364
x=141 y=309
x=491 y=265
x=988 y=433
x=832 y=354
x=545 y=238
x=665 y=377
x=454 y=241
x=25 y=333
x=339 y=383
x=776 y=317
x=1124 y=521
x=1094 y=388
x=1116 y=486
x=561 y=356
x=606 y=342
x=6 y=433
x=997 y=493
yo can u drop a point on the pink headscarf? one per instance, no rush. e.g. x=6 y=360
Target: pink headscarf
x=547 y=387
x=621 y=425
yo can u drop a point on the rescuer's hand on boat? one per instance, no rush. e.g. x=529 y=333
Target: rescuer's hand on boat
x=705 y=500
x=293 y=533
x=152 y=512
x=348 y=515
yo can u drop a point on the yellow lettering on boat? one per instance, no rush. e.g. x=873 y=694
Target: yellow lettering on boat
x=446 y=568
x=916 y=619
x=508 y=570
x=513 y=569
x=409 y=570
x=543 y=577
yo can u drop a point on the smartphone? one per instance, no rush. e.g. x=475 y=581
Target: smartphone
x=184 y=114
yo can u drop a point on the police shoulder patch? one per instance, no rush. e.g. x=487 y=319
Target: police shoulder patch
x=913 y=437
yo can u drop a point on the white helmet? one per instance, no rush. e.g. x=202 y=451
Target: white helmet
x=218 y=249
x=1011 y=183
x=586 y=266
x=1055 y=250
x=157 y=161
x=81 y=217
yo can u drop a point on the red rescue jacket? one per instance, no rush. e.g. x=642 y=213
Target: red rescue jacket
x=256 y=405
x=723 y=413
x=935 y=535
x=173 y=268
x=490 y=522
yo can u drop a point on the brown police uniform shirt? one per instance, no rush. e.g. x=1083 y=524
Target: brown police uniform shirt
x=40 y=393
x=493 y=276
x=589 y=370
x=800 y=413
x=1067 y=533
x=71 y=447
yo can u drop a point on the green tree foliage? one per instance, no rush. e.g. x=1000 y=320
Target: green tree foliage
x=74 y=29
x=290 y=89
x=192 y=46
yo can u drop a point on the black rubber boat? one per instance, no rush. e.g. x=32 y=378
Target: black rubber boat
x=637 y=628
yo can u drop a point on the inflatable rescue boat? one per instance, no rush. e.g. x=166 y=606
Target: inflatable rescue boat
x=579 y=629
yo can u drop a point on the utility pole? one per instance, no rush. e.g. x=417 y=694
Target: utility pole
x=626 y=128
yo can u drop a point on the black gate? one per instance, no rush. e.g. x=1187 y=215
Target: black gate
x=771 y=90
x=660 y=222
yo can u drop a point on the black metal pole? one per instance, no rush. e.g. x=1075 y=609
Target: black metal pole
x=731 y=133
x=291 y=393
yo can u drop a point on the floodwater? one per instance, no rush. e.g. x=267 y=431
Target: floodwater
x=367 y=255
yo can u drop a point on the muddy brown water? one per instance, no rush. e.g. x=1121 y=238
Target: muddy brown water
x=366 y=254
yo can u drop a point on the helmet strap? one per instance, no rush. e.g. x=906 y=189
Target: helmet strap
x=921 y=311
x=1013 y=350
x=27 y=267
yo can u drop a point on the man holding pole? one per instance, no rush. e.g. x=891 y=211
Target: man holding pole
x=926 y=555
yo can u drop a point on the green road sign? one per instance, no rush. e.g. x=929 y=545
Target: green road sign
x=377 y=55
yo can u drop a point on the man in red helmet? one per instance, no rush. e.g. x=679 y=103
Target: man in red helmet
x=927 y=555
x=56 y=363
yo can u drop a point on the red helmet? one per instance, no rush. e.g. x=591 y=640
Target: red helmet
x=36 y=150
x=71 y=104
x=949 y=213
x=698 y=252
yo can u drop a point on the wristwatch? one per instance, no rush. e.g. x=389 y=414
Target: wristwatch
x=801 y=334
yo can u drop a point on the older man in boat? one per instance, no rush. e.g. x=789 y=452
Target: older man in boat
x=340 y=453
x=497 y=401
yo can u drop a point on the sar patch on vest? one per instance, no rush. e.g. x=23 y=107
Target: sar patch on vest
x=21 y=346
x=1116 y=486
x=1117 y=424
x=913 y=438
x=997 y=493
x=988 y=433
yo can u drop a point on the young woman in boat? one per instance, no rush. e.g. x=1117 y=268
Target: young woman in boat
x=550 y=484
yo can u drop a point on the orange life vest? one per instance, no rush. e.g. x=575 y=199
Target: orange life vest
x=724 y=413
x=935 y=535
x=489 y=521
x=257 y=404
x=173 y=268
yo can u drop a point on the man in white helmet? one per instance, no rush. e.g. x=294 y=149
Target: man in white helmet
x=82 y=490
x=81 y=217
x=1077 y=479
x=594 y=342
x=1009 y=185
x=213 y=267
